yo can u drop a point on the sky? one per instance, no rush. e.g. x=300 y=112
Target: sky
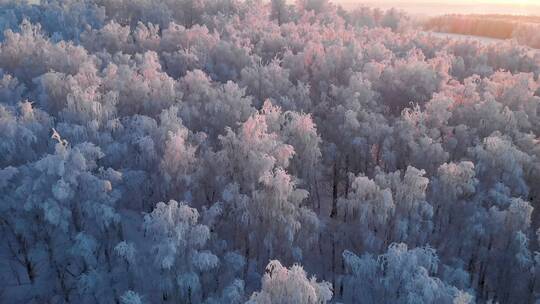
x=438 y=7
x=515 y=2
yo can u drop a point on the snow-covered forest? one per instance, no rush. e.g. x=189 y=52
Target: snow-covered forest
x=228 y=151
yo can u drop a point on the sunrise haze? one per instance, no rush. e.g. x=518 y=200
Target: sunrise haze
x=438 y=7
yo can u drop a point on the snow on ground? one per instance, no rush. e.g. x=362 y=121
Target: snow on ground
x=464 y=37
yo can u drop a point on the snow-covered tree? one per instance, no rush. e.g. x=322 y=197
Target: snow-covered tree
x=400 y=275
x=283 y=285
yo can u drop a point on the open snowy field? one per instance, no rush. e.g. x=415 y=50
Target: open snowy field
x=460 y=37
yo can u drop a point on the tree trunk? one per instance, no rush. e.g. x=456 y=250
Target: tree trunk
x=335 y=183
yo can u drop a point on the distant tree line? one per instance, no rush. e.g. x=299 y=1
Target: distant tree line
x=524 y=29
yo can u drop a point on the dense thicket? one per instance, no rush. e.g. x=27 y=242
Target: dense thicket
x=223 y=151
